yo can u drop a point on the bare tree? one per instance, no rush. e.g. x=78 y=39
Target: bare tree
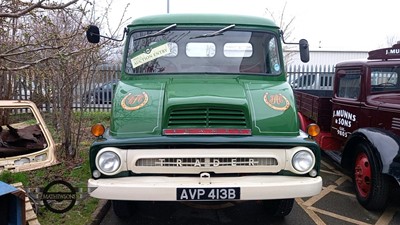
x=286 y=27
x=42 y=43
x=28 y=7
x=14 y=16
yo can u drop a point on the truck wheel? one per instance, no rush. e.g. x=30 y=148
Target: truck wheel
x=279 y=208
x=371 y=186
x=122 y=209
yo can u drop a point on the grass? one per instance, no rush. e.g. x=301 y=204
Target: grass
x=76 y=172
x=77 y=175
x=8 y=177
x=78 y=215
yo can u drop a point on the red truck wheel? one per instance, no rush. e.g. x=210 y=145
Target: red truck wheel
x=370 y=184
x=362 y=175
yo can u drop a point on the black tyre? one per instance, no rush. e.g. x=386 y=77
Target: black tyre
x=122 y=209
x=371 y=186
x=279 y=207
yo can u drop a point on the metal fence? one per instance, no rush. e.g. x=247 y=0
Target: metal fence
x=311 y=77
x=96 y=93
x=90 y=93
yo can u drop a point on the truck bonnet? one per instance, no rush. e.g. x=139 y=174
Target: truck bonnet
x=389 y=100
x=146 y=107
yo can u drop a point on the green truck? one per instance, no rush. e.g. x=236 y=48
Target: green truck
x=203 y=112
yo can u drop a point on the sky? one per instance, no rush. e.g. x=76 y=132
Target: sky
x=338 y=25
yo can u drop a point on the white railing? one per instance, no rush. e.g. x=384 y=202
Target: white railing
x=311 y=77
x=96 y=93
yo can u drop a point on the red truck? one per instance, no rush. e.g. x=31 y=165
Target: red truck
x=360 y=122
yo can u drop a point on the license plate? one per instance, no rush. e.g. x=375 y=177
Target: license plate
x=207 y=194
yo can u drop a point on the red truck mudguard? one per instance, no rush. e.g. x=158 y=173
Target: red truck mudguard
x=385 y=144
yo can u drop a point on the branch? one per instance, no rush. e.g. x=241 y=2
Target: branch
x=30 y=51
x=30 y=64
x=27 y=65
x=38 y=5
x=11 y=52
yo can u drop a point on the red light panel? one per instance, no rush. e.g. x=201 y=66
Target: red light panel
x=206 y=131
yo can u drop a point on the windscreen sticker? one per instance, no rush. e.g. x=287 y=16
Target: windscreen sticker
x=150 y=53
x=277 y=67
x=276 y=101
x=133 y=102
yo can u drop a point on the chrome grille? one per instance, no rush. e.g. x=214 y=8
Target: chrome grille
x=218 y=161
x=206 y=162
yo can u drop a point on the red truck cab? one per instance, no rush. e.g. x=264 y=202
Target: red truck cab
x=363 y=128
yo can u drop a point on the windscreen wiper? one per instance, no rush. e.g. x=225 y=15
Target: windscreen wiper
x=160 y=32
x=218 y=32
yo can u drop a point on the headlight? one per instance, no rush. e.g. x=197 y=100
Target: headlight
x=303 y=161
x=108 y=162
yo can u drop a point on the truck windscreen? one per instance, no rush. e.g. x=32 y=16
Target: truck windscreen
x=385 y=79
x=193 y=51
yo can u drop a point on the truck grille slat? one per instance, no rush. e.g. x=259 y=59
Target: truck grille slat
x=396 y=123
x=207 y=117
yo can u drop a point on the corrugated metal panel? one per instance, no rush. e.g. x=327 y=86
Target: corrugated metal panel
x=325 y=57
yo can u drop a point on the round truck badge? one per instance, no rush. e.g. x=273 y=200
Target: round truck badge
x=134 y=102
x=276 y=101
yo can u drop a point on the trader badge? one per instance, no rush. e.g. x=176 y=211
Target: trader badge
x=276 y=101
x=134 y=102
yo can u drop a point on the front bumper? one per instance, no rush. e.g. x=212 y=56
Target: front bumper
x=162 y=188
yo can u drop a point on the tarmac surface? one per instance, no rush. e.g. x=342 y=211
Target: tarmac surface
x=336 y=204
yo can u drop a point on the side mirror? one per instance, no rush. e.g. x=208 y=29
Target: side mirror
x=304 y=50
x=93 y=34
x=303 y=45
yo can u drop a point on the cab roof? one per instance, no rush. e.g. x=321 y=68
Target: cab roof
x=203 y=19
x=365 y=62
x=384 y=56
